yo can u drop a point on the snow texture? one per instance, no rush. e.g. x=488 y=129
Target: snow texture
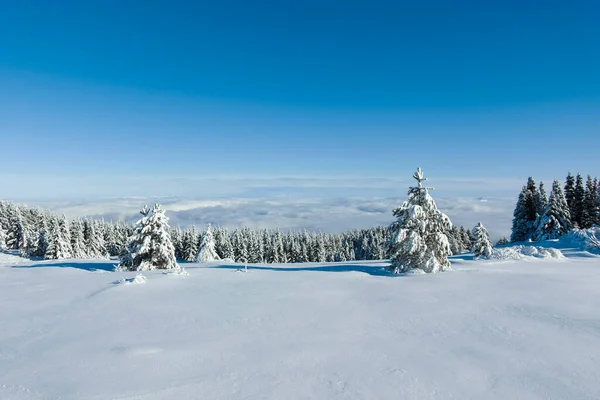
x=490 y=329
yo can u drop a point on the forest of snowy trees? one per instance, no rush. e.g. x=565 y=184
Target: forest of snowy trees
x=538 y=216
x=40 y=234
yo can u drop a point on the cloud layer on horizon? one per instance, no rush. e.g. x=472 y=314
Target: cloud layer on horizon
x=333 y=214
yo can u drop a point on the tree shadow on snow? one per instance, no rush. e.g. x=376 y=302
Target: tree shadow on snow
x=365 y=269
x=108 y=265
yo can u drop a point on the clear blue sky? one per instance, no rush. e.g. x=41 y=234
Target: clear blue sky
x=115 y=90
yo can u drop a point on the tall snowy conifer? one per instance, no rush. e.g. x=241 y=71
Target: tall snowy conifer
x=525 y=214
x=589 y=215
x=482 y=247
x=190 y=245
x=59 y=246
x=150 y=247
x=418 y=235
x=570 y=193
x=77 y=239
x=556 y=219
x=578 y=200
x=207 y=250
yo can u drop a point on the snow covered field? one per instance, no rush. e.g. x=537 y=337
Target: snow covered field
x=521 y=329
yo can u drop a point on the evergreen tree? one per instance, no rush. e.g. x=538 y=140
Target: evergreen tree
x=502 y=241
x=189 y=246
x=2 y=237
x=77 y=239
x=41 y=245
x=176 y=239
x=589 y=215
x=151 y=247
x=543 y=198
x=481 y=246
x=17 y=231
x=578 y=200
x=522 y=218
x=539 y=201
x=419 y=240
x=59 y=246
x=277 y=253
x=319 y=249
x=454 y=239
x=225 y=245
x=207 y=250
x=94 y=240
x=556 y=219
x=465 y=239
x=570 y=193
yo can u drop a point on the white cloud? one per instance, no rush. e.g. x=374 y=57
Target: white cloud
x=325 y=214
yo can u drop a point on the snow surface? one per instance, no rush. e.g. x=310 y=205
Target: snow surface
x=498 y=329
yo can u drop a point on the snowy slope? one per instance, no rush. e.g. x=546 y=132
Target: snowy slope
x=525 y=329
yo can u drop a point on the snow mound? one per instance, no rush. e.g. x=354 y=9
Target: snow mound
x=180 y=271
x=520 y=252
x=586 y=239
x=139 y=278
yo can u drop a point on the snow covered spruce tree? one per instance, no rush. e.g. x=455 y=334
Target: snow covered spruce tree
x=59 y=246
x=207 y=250
x=482 y=247
x=150 y=246
x=556 y=219
x=418 y=236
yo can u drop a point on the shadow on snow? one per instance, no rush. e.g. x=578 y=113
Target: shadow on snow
x=370 y=270
x=101 y=265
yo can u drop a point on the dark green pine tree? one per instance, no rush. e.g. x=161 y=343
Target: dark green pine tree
x=570 y=194
x=578 y=199
x=543 y=198
x=524 y=216
x=597 y=185
x=538 y=202
x=589 y=213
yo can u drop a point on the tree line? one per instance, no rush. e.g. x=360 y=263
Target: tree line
x=537 y=216
x=41 y=234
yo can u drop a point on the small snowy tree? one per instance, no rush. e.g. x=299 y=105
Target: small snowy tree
x=150 y=247
x=502 y=241
x=482 y=247
x=207 y=250
x=418 y=235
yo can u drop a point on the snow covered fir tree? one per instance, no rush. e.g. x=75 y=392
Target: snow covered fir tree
x=150 y=247
x=207 y=250
x=419 y=238
x=556 y=219
x=482 y=247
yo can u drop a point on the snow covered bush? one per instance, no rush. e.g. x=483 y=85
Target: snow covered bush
x=150 y=247
x=418 y=235
x=207 y=250
x=521 y=252
x=481 y=243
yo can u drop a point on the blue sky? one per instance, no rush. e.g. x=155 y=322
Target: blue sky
x=121 y=92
